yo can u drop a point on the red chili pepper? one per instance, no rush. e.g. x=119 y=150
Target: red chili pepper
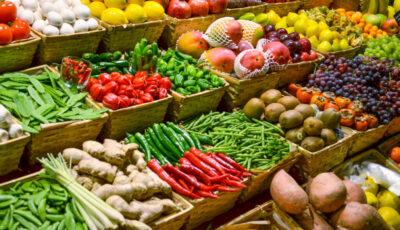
x=231 y=162
x=189 y=168
x=91 y=82
x=191 y=188
x=200 y=164
x=207 y=159
x=234 y=183
x=124 y=101
x=226 y=189
x=115 y=76
x=146 y=97
x=111 y=87
x=162 y=93
x=124 y=80
x=152 y=90
x=111 y=101
x=218 y=178
x=222 y=162
x=183 y=184
x=206 y=194
x=165 y=83
x=97 y=91
x=235 y=178
x=185 y=161
x=156 y=167
x=190 y=180
x=154 y=79
x=104 y=78
x=247 y=174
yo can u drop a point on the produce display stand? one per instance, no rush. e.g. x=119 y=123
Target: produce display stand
x=237 y=12
x=269 y=211
x=183 y=107
x=298 y=72
x=365 y=139
x=309 y=4
x=55 y=48
x=176 y=27
x=55 y=137
x=19 y=54
x=284 y=8
x=242 y=90
x=131 y=119
x=124 y=37
x=346 y=4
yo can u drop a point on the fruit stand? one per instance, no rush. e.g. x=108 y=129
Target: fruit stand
x=199 y=114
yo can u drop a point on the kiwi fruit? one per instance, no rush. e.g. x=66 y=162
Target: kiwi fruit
x=330 y=118
x=313 y=144
x=271 y=96
x=305 y=110
x=290 y=119
x=254 y=108
x=295 y=135
x=289 y=102
x=273 y=111
x=329 y=136
x=313 y=126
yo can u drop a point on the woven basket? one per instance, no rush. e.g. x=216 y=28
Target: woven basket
x=267 y=211
x=365 y=139
x=298 y=72
x=237 y=12
x=346 y=4
x=19 y=54
x=386 y=146
x=125 y=37
x=183 y=107
x=349 y=53
x=393 y=127
x=131 y=119
x=54 y=48
x=177 y=220
x=261 y=180
x=309 y=4
x=176 y=27
x=284 y=8
x=242 y=90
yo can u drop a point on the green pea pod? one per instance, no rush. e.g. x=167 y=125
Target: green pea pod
x=24 y=222
x=45 y=225
x=29 y=216
x=75 y=211
x=7 y=220
x=42 y=210
x=182 y=91
x=69 y=220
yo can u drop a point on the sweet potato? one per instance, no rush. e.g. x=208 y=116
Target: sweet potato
x=289 y=196
x=356 y=216
x=354 y=192
x=311 y=220
x=327 y=192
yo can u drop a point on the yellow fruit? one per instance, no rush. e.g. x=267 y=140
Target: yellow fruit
x=301 y=26
x=312 y=31
x=372 y=200
x=135 y=13
x=96 y=8
x=303 y=16
x=120 y=4
x=326 y=35
x=291 y=18
x=369 y=184
x=273 y=17
x=281 y=24
x=290 y=30
x=85 y=2
x=396 y=5
x=344 y=45
x=389 y=199
x=312 y=22
x=336 y=34
x=302 y=36
x=322 y=26
x=336 y=45
x=154 y=10
x=98 y=0
x=139 y=2
x=391 y=216
x=325 y=46
x=314 y=42
x=114 y=16
x=391 y=12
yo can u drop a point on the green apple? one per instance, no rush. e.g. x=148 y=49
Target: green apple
x=373 y=19
x=382 y=17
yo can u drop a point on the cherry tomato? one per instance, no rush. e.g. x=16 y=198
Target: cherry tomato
x=6 y=35
x=8 y=12
x=20 y=29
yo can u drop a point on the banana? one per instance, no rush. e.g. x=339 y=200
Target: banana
x=383 y=5
x=373 y=6
x=396 y=5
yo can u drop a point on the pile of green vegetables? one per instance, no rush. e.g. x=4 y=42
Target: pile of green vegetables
x=252 y=143
x=39 y=204
x=43 y=99
x=107 y=63
x=167 y=142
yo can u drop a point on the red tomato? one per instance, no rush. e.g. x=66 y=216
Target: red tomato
x=5 y=34
x=8 y=12
x=313 y=55
x=20 y=29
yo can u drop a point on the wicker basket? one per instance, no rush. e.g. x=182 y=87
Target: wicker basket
x=309 y=4
x=346 y=4
x=125 y=37
x=349 y=53
x=284 y=8
x=242 y=90
x=177 y=220
x=386 y=146
x=54 y=48
x=393 y=127
x=261 y=180
x=237 y=12
x=131 y=119
x=298 y=72
x=365 y=139
x=183 y=107
x=19 y=54
x=268 y=211
x=176 y=27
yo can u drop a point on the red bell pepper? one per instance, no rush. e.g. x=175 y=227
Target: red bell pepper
x=165 y=83
x=111 y=87
x=97 y=91
x=146 y=97
x=111 y=101
x=152 y=90
x=124 y=101
x=130 y=77
x=104 y=78
x=122 y=90
x=124 y=80
x=91 y=82
x=131 y=92
x=162 y=93
x=137 y=101
x=115 y=76
x=139 y=82
x=154 y=79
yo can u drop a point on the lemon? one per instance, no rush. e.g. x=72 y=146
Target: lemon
x=292 y=18
x=314 y=42
x=135 y=13
x=312 y=22
x=120 y=4
x=154 y=10
x=312 y=30
x=388 y=199
x=391 y=216
x=372 y=200
x=96 y=8
x=114 y=16
x=326 y=35
x=139 y=2
x=301 y=26
x=369 y=184
x=85 y=2
x=344 y=45
x=325 y=46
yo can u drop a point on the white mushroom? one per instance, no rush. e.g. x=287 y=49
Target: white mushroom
x=82 y=12
x=51 y=30
x=39 y=25
x=92 y=24
x=81 y=26
x=66 y=29
x=54 y=19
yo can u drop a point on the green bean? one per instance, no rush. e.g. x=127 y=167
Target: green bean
x=24 y=222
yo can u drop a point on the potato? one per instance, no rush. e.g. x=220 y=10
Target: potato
x=354 y=192
x=327 y=192
x=356 y=216
x=289 y=196
x=311 y=220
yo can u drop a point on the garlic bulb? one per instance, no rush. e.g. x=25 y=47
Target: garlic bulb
x=60 y=6
x=47 y=7
x=15 y=131
x=28 y=16
x=30 y=4
x=3 y=135
x=37 y=16
x=54 y=18
x=5 y=118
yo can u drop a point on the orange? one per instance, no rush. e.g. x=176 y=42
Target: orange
x=365 y=35
x=340 y=10
x=370 y=36
x=374 y=28
x=372 y=33
x=395 y=154
x=379 y=35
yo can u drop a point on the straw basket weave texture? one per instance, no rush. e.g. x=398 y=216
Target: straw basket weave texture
x=284 y=8
x=237 y=12
x=309 y=4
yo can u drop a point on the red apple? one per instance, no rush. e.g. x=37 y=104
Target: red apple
x=217 y=6
x=306 y=44
x=390 y=26
x=179 y=9
x=305 y=56
x=199 y=7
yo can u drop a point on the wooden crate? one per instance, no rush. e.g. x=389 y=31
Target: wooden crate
x=124 y=37
x=133 y=118
x=242 y=90
x=183 y=107
x=55 y=48
x=298 y=72
x=309 y=4
x=268 y=211
x=18 y=54
x=365 y=139
x=238 y=12
x=284 y=8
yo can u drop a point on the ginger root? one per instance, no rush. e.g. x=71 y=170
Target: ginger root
x=94 y=148
x=75 y=155
x=135 y=225
x=127 y=191
x=97 y=168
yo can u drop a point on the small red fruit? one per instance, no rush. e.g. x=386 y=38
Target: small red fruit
x=305 y=56
x=217 y=6
x=8 y=12
x=199 y=7
x=5 y=34
x=20 y=29
x=179 y=9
